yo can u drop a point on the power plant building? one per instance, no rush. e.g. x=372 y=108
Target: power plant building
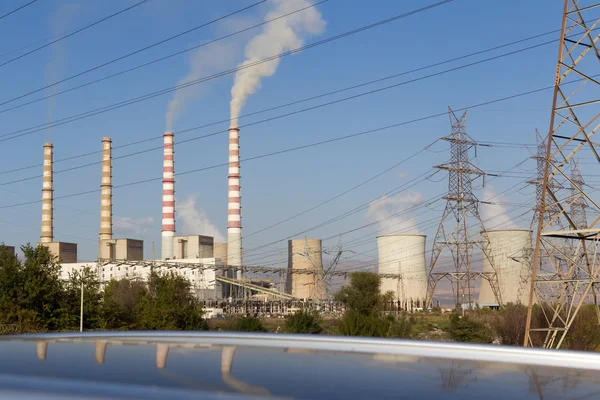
x=306 y=254
x=193 y=247
x=508 y=253
x=403 y=255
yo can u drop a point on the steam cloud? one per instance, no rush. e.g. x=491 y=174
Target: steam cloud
x=195 y=220
x=385 y=209
x=276 y=37
x=204 y=61
x=495 y=215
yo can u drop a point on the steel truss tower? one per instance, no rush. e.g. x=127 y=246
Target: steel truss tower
x=565 y=266
x=461 y=222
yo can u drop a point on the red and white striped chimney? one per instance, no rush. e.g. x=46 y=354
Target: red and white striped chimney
x=234 y=202
x=47 y=196
x=168 y=197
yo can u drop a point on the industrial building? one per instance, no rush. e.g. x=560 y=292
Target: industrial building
x=9 y=250
x=306 y=255
x=507 y=250
x=404 y=256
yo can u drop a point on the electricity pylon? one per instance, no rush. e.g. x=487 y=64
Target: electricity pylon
x=461 y=212
x=562 y=281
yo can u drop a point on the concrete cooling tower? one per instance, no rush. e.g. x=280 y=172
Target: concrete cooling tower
x=403 y=255
x=307 y=255
x=507 y=249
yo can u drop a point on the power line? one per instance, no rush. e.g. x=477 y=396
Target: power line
x=254 y=123
x=225 y=37
x=73 y=33
x=339 y=138
x=121 y=58
x=17 y=9
x=148 y=96
x=286 y=104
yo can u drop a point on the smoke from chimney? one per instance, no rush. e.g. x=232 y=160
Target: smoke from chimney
x=106 y=198
x=234 y=201
x=168 y=197
x=47 y=235
x=276 y=37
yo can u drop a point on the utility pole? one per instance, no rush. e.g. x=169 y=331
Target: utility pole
x=563 y=280
x=453 y=231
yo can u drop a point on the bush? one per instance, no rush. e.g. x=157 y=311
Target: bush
x=584 y=333
x=401 y=328
x=356 y=324
x=303 y=321
x=510 y=324
x=248 y=324
x=466 y=329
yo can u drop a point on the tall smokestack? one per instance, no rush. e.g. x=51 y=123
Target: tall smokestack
x=47 y=195
x=106 y=198
x=234 y=207
x=168 y=203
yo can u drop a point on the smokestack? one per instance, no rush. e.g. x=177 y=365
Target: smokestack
x=106 y=198
x=234 y=207
x=47 y=195
x=168 y=198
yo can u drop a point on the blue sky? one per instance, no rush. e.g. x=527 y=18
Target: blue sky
x=273 y=188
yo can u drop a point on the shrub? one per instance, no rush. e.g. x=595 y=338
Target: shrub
x=584 y=333
x=248 y=324
x=356 y=324
x=303 y=321
x=510 y=324
x=469 y=330
x=401 y=328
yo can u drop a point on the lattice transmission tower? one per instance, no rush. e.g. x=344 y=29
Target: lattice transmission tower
x=565 y=265
x=461 y=222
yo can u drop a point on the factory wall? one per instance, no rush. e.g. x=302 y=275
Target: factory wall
x=403 y=255
x=196 y=246
x=10 y=250
x=508 y=252
x=66 y=252
x=306 y=254
x=220 y=252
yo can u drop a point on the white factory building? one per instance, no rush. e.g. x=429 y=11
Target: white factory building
x=203 y=280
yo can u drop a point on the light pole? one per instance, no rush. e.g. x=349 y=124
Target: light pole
x=81 y=308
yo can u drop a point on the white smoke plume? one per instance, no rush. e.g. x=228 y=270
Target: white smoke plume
x=276 y=37
x=495 y=215
x=137 y=226
x=203 y=62
x=194 y=219
x=385 y=211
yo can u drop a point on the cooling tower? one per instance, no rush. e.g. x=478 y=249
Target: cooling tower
x=47 y=196
x=403 y=255
x=507 y=249
x=234 y=208
x=106 y=200
x=168 y=198
x=306 y=254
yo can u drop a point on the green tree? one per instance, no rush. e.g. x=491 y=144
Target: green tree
x=168 y=304
x=119 y=303
x=303 y=321
x=31 y=292
x=92 y=300
x=362 y=295
x=364 y=307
